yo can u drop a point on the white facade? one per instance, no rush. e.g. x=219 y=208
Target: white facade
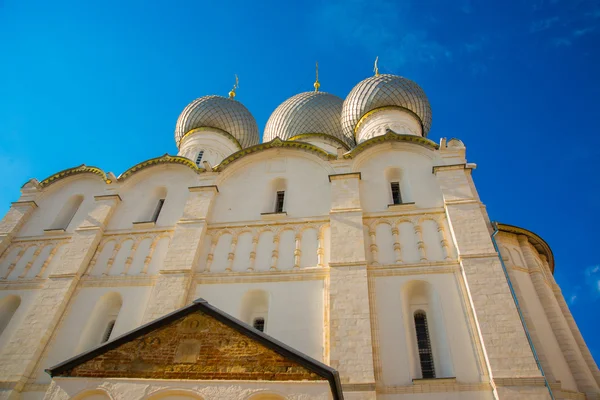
x=337 y=271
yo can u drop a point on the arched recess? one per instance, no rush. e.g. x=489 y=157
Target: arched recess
x=66 y=214
x=264 y=251
x=287 y=244
x=118 y=266
x=142 y=251
x=8 y=308
x=221 y=255
x=309 y=248
x=36 y=266
x=432 y=239
x=385 y=244
x=408 y=239
x=422 y=309
x=101 y=263
x=241 y=260
x=92 y=395
x=101 y=322
x=23 y=261
x=158 y=255
x=254 y=309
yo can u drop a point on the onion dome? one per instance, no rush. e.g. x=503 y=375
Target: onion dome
x=385 y=91
x=220 y=113
x=305 y=114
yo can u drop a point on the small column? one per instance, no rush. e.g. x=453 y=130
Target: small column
x=253 y=252
x=174 y=280
x=420 y=243
x=275 y=253
x=297 y=251
x=568 y=346
x=397 y=245
x=373 y=247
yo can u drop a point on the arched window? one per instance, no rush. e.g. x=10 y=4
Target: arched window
x=424 y=345
x=8 y=307
x=66 y=214
x=255 y=309
x=101 y=323
x=199 y=157
x=428 y=347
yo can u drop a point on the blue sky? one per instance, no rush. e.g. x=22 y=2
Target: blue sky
x=102 y=83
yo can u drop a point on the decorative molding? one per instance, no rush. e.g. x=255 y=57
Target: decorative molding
x=391 y=136
x=82 y=169
x=450 y=167
x=108 y=197
x=144 y=224
x=214 y=188
x=346 y=175
x=25 y=203
x=320 y=135
x=165 y=159
x=212 y=129
x=298 y=274
x=540 y=244
x=275 y=143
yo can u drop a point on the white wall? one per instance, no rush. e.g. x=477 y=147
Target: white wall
x=296 y=313
x=393 y=340
x=66 y=339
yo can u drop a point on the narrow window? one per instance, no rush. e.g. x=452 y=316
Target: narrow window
x=199 y=158
x=259 y=324
x=424 y=346
x=396 y=198
x=279 y=203
x=157 y=210
x=109 y=329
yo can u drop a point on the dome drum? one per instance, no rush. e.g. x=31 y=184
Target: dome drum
x=379 y=121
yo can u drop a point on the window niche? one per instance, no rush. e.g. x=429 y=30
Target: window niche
x=429 y=354
x=66 y=214
x=399 y=193
x=255 y=309
x=151 y=213
x=100 y=325
x=276 y=204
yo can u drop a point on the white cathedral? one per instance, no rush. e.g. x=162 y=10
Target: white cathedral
x=347 y=256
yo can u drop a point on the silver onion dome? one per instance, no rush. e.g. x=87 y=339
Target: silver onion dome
x=218 y=112
x=308 y=113
x=382 y=91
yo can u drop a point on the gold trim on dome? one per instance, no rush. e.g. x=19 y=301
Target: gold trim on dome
x=82 y=169
x=322 y=135
x=166 y=159
x=275 y=143
x=391 y=136
x=373 y=111
x=540 y=244
x=210 y=128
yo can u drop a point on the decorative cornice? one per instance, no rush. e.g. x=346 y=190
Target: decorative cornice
x=347 y=175
x=29 y=203
x=321 y=135
x=205 y=188
x=82 y=169
x=108 y=197
x=212 y=129
x=274 y=144
x=166 y=159
x=540 y=244
x=391 y=136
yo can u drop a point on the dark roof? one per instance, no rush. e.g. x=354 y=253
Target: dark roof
x=202 y=305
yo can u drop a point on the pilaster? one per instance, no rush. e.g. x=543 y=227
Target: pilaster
x=14 y=219
x=174 y=280
x=20 y=355
x=509 y=359
x=351 y=351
